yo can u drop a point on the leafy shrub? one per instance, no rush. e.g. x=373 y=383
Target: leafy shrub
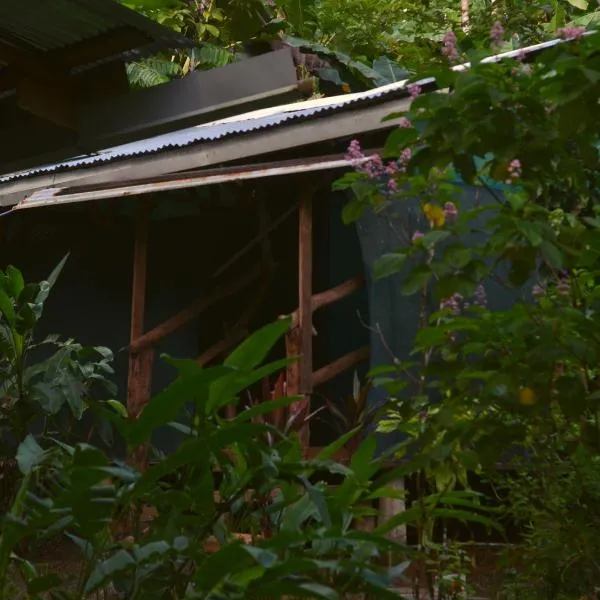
x=226 y=478
x=517 y=386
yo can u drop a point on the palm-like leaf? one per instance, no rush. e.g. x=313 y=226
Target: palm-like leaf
x=152 y=71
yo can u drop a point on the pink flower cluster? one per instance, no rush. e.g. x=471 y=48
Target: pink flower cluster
x=571 y=33
x=414 y=89
x=417 y=235
x=514 y=171
x=450 y=50
x=450 y=212
x=497 y=33
x=538 y=291
x=376 y=168
x=563 y=286
x=404 y=123
x=452 y=304
x=480 y=296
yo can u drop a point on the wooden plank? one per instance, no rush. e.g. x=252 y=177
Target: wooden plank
x=333 y=295
x=340 y=365
x=185 y=316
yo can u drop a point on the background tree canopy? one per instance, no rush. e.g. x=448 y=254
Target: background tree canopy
x=366 y=42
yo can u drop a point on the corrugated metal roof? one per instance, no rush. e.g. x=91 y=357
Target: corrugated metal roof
x=210 y=132
x=46 y=25
x=245 y=123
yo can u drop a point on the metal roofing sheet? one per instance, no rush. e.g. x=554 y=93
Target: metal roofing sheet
x=46 y=25
x=210 y=132
x=245 y=123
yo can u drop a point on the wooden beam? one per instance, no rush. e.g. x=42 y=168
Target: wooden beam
x=138 y=387
x=185 y=316
x=305 y=259
x=241 y=328
x=140 y=364
x=340 y=365
x=333 y=295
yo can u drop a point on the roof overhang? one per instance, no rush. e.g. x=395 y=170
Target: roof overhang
x=174 y=162
x=176 y=181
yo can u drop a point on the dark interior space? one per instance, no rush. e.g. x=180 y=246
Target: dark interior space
x=193 y=234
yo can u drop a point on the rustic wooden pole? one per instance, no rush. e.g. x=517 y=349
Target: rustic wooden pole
x=298 y=341
x=464 y=14
x=340 y=365
x=388 y=507
x=140 y=363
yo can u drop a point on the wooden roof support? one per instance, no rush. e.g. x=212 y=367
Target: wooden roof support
x=186 y=315
x=140 y=363
x=338 y=366
x=299 y=339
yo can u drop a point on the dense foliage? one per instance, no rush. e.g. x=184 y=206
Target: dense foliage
x=366 y=42
x=519 y=386
x=236 y=511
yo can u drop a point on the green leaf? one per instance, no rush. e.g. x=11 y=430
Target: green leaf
x=330 y=74
x=43 y=584
x=552 y=255
x=49 y=398
x=416 y=281
x=166 y=406
x=46 y=286
x=389 y=70
x=118 y=407
x=329 y=451
x=318 y=498
x=7 y=308
x=218 y=566
x=434 y=236
x=265 y=407
x=16 y=282
x=106 y=571
x=361 y=462
x=319 y=590
x=399 y=139
x=388 y=264
x=190 y=452
x=581 y=4
x=73 y=390
x=255 y=349
x=29 y=454
x=263 y=557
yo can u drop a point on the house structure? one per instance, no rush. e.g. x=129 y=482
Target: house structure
x=184 y=240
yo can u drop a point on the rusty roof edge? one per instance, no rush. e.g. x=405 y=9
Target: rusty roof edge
x=55 y=196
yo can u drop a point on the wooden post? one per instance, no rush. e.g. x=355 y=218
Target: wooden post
x=140 y=363
x=388 y=507
x=299 y=339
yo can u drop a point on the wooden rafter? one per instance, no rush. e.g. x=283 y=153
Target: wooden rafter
x=191 y=312
x=340 y=365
